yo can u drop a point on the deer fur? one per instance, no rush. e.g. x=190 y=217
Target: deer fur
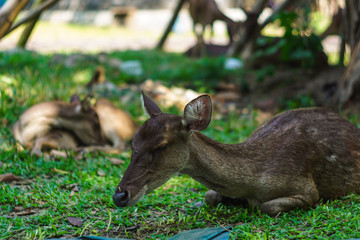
x=39 y=121
x=291 y=161
x=117 y=126
x=205 y=13
x=76 y=126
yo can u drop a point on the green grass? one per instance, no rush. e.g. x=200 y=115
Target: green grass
x=46 y=184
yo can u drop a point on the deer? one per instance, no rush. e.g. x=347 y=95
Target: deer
x=292 y=161
x=117 y=126
x=205 y=12
x=58 y=124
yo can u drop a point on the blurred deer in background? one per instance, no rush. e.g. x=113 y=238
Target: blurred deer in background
x=117 y=126
x=205 y=13
x=291 y=161
x=59 y=124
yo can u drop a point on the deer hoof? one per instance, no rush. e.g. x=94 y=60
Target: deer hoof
x=213 y=198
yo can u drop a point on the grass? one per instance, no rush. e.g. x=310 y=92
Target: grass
x=53 y=189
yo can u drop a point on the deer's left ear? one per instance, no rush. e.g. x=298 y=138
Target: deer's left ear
x=75 y=98
x=85 y=104
x=149 y=105
x=197 y=113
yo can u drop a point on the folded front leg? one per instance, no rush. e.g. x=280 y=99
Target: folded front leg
x=286 y=204
x=214 y=198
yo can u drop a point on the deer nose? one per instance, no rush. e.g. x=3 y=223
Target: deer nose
x=121 y=199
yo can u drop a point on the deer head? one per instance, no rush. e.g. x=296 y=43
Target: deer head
x=83 y=121
x=160 y=149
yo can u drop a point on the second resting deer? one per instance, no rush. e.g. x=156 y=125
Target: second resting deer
x=291 y=161
x=75 y=126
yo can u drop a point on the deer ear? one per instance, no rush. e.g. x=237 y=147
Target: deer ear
x=85 y=104
x=149 y=105
x=197 y=113
x=75 y=98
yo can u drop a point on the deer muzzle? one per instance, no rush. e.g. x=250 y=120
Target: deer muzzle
x=121 y=199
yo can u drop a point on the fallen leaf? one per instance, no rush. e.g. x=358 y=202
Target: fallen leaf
x=25 y=212
x=18 y=209
x=4 y=122
x=219 y=128
x=116 y=161
x=61 y=171
x=74 y=221
x=75 y=189
x=101 y=172
x=8 y=177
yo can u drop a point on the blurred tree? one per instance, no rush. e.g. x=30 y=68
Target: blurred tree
x=30 y=26
x=12 y=8
x=349 y=84
x=8 y=13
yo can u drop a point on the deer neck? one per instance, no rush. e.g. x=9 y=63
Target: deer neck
x=221 y=167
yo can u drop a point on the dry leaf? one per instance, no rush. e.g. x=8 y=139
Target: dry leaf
x=18 y=209
x=75 y=221
x=101 y=172
x=8 y=177
x=219 y=128
x=61 y=171
x=25 y=212
x=116 y=161
x=75 y=189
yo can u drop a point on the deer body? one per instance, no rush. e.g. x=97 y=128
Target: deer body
x=205 y=13
x=116 y=124
x=76 y=121
x=288 y=154
x=291 y=161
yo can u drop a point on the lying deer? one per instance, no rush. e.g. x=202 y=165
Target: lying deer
x=205 y=13
x=59 y=124
x=290 y=162
x=117 y=126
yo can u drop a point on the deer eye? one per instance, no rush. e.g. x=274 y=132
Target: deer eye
x=160 y=145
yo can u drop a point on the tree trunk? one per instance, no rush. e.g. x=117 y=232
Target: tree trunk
x=32 y=14
x=29 y=28
x=171 y=24
x=351 y=78
x=8 y=13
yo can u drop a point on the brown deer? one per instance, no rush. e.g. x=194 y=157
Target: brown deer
x=117 y=126
x=289 y=162
x=59 y=124
x=205 y=13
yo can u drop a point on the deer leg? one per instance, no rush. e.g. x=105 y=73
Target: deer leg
x=214 y=198
x=201 y=41
x=46 y=140
x=54 y=140
x=212 y=33
x=285 y=204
